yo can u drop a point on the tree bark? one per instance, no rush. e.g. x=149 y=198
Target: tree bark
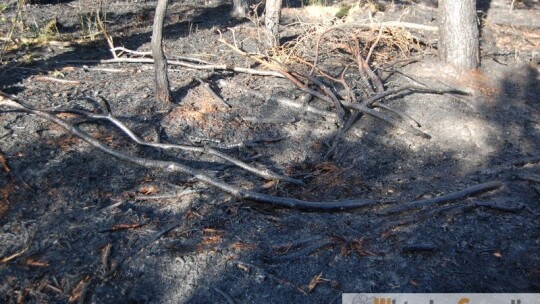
x=458 y=33
x=271 y=21
x=160 y=62
x=241 y=7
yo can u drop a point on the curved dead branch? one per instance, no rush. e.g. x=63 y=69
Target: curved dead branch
x=447 y=198
x=264 y=173
x=171 y=166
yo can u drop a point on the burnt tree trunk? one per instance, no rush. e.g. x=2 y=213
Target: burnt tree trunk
x=458 y=33
x=160 y=62
x=240 y=8
x=271 y=21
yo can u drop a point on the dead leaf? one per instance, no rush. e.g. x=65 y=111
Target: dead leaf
x=148 y=190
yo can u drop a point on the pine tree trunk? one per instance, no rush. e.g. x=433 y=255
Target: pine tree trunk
x=271 y=21
x=160 y=62
x=458 y=33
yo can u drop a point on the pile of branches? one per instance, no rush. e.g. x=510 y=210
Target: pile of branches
x=358 y=96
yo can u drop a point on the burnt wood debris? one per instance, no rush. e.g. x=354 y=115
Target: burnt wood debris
x=349 y=108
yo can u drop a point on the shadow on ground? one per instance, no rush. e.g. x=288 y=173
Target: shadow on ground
x=80 y=228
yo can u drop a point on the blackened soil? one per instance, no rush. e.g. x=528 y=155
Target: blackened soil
x=77 y=224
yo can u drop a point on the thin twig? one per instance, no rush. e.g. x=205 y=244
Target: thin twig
x=305 y=107
x=165 y=196
x=397 y=112
x=154 y=238
x=269 y=120
x=220 y=67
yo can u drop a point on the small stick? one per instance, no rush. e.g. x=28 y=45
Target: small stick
x=166 y=196
x=360 y=107
x=447 y=198
x=13 y=256
x=419 y=248
x=105 y=258
x=52 y=79
x=398 y=113
x=124 y=50
x=306 y=108
x=221 y=67
x=259 y=120
x=368 y=57
x=300 y=254
x=154 y=238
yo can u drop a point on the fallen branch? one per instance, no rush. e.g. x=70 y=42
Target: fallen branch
x=330 y=97
x=307 y=108
x=451 y=197
x=398 y=24
x=207 y=150
x=171 y=166
x=214 y=67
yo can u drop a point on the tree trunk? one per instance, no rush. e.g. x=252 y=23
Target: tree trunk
x=271 y=21
x=458 y=33
x=160 y=62
x=241 y=7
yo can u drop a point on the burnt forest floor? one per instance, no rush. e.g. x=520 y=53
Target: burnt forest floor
x=78 y=225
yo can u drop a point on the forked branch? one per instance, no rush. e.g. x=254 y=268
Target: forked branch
x=171 y=166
